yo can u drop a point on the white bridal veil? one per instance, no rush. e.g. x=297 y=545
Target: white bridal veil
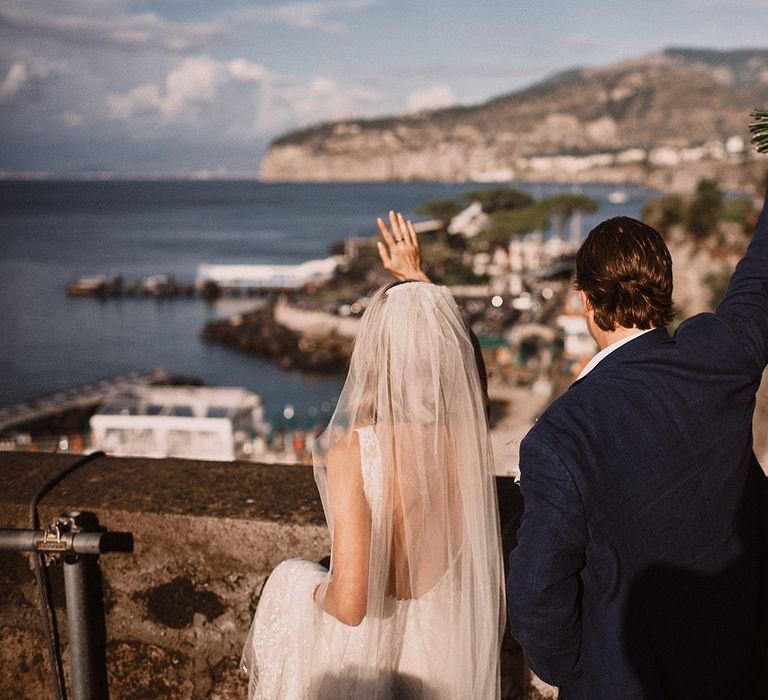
x=435 y=606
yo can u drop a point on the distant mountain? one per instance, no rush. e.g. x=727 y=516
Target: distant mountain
x=744 y=69
x=631 y=121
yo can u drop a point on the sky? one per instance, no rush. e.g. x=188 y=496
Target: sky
x=194 y=87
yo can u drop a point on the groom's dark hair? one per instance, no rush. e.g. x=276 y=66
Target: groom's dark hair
x=625 y=269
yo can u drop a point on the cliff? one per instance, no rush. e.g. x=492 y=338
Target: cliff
x=639 y=120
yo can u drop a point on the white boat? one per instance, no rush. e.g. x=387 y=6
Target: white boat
x=618 y=197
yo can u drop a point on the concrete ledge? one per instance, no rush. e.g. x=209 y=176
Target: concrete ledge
x=172 y=486
x=207 y=534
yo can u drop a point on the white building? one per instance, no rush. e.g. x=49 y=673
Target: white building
x=578 y=343
x=238 y=276
x=169 y=421
x=470 y=221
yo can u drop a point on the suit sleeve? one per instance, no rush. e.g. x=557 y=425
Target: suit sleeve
x=745 y=305
x=543 y=588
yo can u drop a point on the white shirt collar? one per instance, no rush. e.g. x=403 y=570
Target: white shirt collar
x=607 y=351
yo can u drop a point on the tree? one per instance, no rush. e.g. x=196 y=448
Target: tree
x=741 y=211
x=499 y=199
x=445 y=267
x=759 y=130
x=515 y=222
x=718 y=285
x=705 y=209
x=662 y=213
x=564 y=205
x=442 y=209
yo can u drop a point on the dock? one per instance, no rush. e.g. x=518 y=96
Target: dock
x=80 y=397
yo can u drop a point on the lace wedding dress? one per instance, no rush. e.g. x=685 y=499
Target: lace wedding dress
x=434 y=611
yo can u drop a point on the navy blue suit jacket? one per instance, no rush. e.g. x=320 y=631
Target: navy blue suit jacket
x=637 y=572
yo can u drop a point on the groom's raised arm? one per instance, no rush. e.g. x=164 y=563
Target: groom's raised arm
x=543 y=585
x=745 y=305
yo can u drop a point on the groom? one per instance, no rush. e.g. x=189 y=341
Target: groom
x=639 y=567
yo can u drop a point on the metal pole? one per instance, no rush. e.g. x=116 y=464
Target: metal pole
x=78 y=542
x=79 y=550
x=79 y=628
x=19 y=540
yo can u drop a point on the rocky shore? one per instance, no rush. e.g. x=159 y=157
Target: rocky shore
x=258 y=333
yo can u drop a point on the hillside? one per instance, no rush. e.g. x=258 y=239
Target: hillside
x=640 y=120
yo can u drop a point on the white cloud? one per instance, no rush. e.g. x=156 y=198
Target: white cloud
x=189 y=89
x=324 y=98
x=108 y=25
x=190 y=86
x=247 y=71
x=318 y=15
x=23 y=81
x=193 y=84
x=242 y=98
x=17 y=75
x=143 y=99
x=430 y=98
x=72 y=118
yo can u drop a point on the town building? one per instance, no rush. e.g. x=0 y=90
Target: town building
x=267 y=277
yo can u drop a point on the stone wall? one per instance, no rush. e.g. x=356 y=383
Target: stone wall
x=315 y=322
x=177 y=608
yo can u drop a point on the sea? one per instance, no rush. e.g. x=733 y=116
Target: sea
x=55 y=232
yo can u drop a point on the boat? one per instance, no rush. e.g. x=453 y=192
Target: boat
x=618 y=197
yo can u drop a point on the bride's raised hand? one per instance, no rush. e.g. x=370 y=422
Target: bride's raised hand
x=399 y=251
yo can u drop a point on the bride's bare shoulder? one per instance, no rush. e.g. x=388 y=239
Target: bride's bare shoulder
x=345 y=452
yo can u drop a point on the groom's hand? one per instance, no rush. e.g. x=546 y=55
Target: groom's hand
x=399 y=251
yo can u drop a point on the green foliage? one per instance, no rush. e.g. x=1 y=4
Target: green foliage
x=742 y=212
x=662 y=213
x=445 y=267
x=505 y=224
x=499 y=199
x=442 y=209
x=759 y=130
x=565 y=205
x=718 y=285
x=705 y=209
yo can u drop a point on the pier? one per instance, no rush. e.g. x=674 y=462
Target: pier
x=81 y=397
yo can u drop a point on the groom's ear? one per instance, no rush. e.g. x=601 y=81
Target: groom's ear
x=585 y=301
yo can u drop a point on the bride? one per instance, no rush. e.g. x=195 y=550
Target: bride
x=412 y=606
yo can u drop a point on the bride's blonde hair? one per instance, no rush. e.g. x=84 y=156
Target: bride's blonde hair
x=400 y=350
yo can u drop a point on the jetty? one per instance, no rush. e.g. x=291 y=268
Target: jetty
x=114 y=286
x=213 y=281
x=81 y=397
